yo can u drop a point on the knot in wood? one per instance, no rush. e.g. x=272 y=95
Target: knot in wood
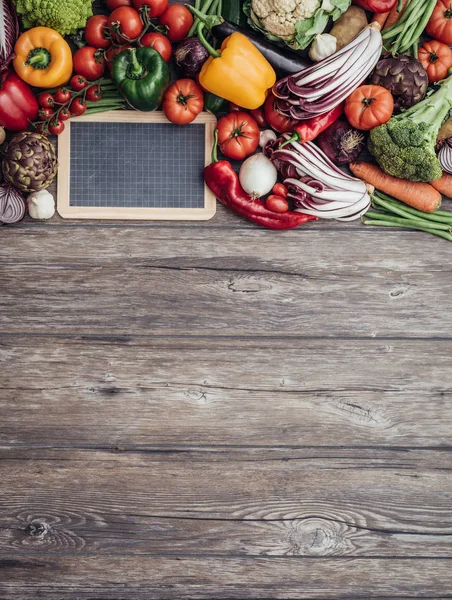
x=315 y=537
x=37 y=529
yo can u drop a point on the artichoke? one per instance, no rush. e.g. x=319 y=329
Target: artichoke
x=29 y=162
x=404 y=76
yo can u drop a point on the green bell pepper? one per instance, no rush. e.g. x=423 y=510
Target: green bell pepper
x=142 y=76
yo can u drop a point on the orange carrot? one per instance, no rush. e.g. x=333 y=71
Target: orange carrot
x=443 y=185
x=380 y=18
x=417 y=195
x=394 y=16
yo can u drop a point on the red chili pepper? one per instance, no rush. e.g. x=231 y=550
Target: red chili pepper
x=223 y=181
x=376 y=6
x=310 y=129
x=18 y=105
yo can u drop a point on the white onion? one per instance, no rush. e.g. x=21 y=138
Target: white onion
x=258 y=175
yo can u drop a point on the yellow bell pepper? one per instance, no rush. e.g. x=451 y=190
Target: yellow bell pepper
x=237 y=72
x=43 y=58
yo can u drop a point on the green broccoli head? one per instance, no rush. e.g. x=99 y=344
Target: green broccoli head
x=406 y=149
x=65 y=16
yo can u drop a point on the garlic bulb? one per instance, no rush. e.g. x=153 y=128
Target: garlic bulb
x=324 y=45
x=265 y=136
x=41 y=205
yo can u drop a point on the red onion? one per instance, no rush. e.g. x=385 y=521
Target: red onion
x=190 y=55
x=12 y=205
x=445 y=156
x=320 y=188
x=320 y=88
x=341 y=142
x=9 y=32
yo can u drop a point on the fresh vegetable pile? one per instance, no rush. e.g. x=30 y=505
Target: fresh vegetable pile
x=300 y=89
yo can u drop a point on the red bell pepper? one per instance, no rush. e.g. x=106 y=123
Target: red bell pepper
x=376 y=6
x=18 y=105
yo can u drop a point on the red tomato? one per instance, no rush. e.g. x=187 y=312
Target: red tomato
x=178 y=20
x=114 y=4
x=275 y=119
x=439 y=26
x=159 y=42
x=258 y=115
x=45 y=113
x=78 y=107
x=277 y=204
x=89 y=62
x=238 y=135
x=113 y=52
x=78 y=83
x=183 y=101
x=56 y=127
x=436 y=58
x=279 y=189
x=64 y=114
x=125 y=23
x=62 y=95
x=95 y=30
x=156 y=7
x=43 y=129
x=368 y=107
x=94 y=93
x=45 y=100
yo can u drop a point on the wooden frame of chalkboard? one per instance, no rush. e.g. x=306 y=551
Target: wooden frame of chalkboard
x=67 y=211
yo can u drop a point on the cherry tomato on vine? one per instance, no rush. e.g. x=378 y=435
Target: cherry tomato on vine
x=62 y=95
x=64 y=114
x=95 y=30
x=238 y=135
x=159 y=42
x=114 y=4
x=178 y=20
x=78 y=107
x=43 y=129
x=78 y=83
x=125 y=23
x=94 y=93
x=56 y=127
x=45 y=113
x=183 y=101
x=89 y=62
x=156 y=7
x=46 y=100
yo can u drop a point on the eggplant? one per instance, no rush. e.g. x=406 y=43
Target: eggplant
x=283 y=60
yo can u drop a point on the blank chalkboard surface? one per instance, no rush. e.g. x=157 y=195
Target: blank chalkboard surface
x=131 y=165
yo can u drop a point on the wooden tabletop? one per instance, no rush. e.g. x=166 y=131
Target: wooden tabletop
x=215 y=411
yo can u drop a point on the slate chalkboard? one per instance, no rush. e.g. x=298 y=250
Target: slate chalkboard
x=126 y=164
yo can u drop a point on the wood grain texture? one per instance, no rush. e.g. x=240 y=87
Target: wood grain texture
x=239 y=391
x=231 y=578
x=140 y=281
x=301 y=502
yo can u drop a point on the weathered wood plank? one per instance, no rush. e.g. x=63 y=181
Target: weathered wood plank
x=137 y=281
x=234 y=502
x=263 y=392
x=225 y=578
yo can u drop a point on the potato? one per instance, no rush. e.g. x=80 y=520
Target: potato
x=446 y=130
x=2 y=135
x=349 y=25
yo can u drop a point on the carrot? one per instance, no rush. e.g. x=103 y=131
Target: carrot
x=394 y=16
x=443 y=185
x=380 y=18
x=417 y=195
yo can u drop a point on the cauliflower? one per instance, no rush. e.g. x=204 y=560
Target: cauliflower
x=65 y=16
x=279 y=17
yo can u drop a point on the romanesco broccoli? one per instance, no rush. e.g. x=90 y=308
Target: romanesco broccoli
x=405 y=146
x=65 y=16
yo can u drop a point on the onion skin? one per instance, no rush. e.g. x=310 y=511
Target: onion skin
x=190 y=55
x=445 y=156
x=12 y=205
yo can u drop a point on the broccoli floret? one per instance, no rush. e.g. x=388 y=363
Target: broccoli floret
x=65 y=16
x=405 y=146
